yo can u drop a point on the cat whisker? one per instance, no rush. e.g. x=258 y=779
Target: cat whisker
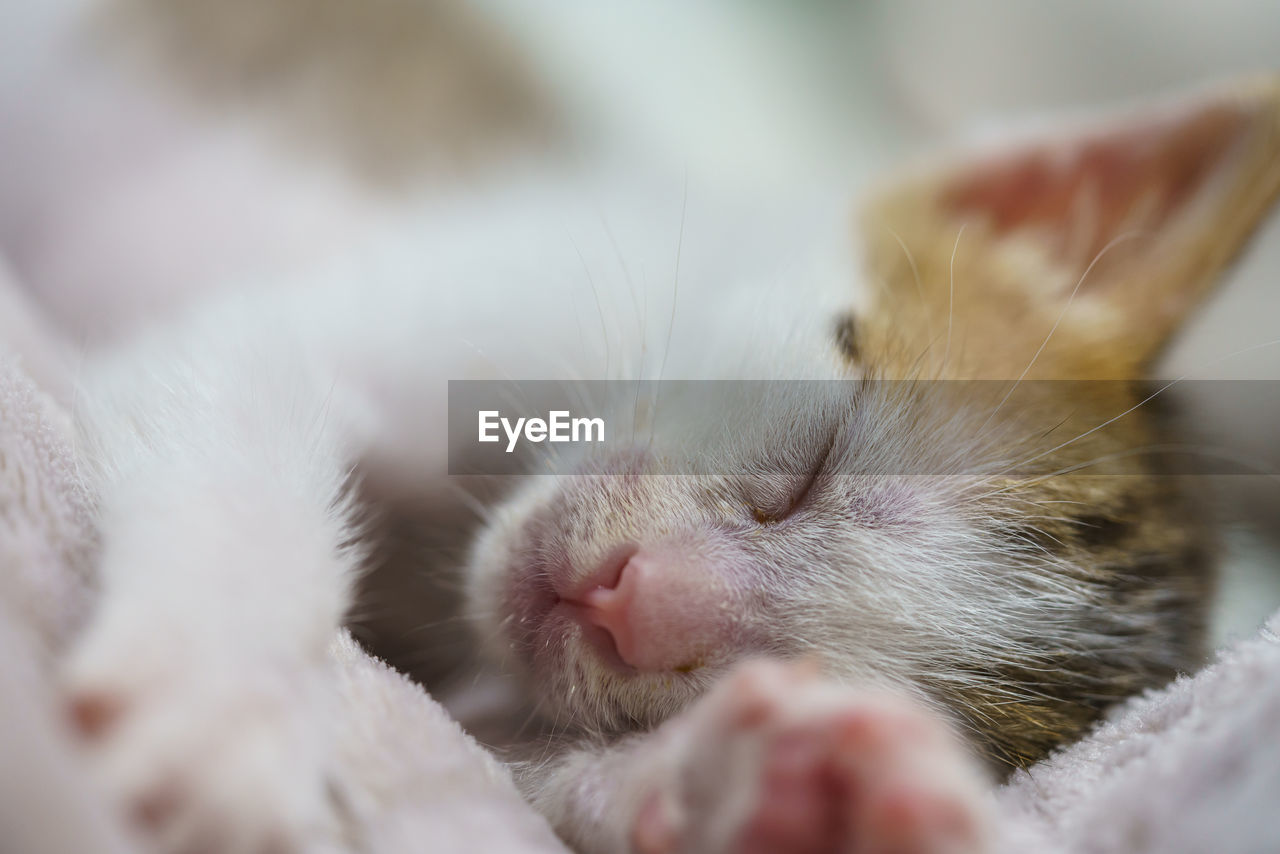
x=470 y=502
x=595 y=293
x=1203 y=450
x=675 y=299
x=951 y=298
x=639 y=372
x=1145 y=401
x=915 y=275
x=675 y=285
x=622 y=266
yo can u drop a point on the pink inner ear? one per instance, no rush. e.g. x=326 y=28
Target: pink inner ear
x=1081 y=194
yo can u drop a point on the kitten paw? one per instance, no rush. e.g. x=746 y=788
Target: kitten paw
x=203 y=746
x=776 y=759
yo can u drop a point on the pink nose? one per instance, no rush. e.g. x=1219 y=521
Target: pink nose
x=658 y=616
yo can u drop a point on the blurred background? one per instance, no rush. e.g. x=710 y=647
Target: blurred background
x=153 y=149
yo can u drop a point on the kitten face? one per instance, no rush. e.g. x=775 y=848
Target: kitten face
x=880 y=524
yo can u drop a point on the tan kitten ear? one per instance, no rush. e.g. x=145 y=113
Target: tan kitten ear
x=1112 y=232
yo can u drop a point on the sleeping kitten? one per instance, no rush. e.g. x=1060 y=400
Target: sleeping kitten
x=902 y=546
x=1012 y=606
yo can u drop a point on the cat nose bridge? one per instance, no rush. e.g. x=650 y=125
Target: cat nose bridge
x=637 y=506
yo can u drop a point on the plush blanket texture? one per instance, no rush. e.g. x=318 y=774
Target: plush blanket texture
x=408 y=774
x=1192 y=768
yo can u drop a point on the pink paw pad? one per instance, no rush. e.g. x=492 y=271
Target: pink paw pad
x=777 y=759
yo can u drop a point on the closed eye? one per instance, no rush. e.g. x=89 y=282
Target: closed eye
x=797 y=492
